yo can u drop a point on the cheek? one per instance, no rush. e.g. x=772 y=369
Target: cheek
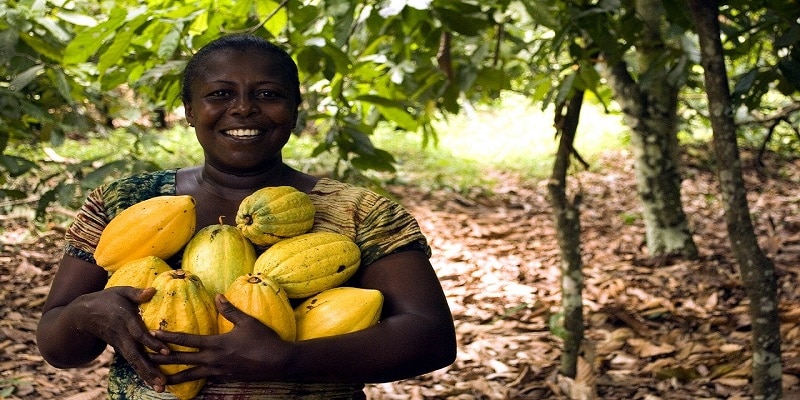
x=281 y=115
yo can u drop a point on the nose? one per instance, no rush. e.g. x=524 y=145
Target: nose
x=243 y=105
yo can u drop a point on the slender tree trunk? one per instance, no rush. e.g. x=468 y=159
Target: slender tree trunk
x=650 y=108
x=568 y=228
x=757 y=270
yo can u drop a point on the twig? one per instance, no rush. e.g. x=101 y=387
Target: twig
x=264 y=21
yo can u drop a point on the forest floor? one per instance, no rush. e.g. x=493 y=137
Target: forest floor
x=655 y=329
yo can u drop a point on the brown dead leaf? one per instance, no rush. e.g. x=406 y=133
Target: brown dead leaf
x=497 y=257
x=647 y=349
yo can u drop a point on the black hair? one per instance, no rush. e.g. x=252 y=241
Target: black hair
x=243 y=43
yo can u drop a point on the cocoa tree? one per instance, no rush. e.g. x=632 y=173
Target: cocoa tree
x=566 y=214
x=756 y=269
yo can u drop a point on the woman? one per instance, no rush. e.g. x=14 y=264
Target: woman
x=241 y=94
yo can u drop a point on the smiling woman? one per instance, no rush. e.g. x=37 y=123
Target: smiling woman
x=243 y=106
x=242 y=95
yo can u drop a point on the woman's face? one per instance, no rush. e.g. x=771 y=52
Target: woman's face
x=243 y=109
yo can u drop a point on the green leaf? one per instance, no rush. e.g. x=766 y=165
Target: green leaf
x=199 y=25
x=45 y=200
x=791 y=72
x=789 y=38
x=121 y=44
x=744 y=83
x=62 y=85
x=392 y=110
x=373 y=162
x=361 y=141
x=565 y=88
x=25 y=77
x=278 y=17
x=15 y=165
x=87 y=43
x=169 y=43
x=542 y=13
x=241 y=9
x=97 y=176
x=75 y=18
x=463 y=18
x=11 y=194
x=56 y=30
x=8 y=43
x=340 y=59
x=43 y=47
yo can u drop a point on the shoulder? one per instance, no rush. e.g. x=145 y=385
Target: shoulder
x=159 y=181
x=327 y=189
x=125 y=192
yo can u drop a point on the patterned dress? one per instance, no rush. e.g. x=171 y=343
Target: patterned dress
x=378 y=225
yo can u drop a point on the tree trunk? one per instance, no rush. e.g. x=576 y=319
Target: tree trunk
x=757 y=270
x=568 y=228
x=650 y=108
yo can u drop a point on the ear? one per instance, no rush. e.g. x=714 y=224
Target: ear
x=187 y=108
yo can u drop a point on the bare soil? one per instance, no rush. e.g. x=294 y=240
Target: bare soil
x=656 y=328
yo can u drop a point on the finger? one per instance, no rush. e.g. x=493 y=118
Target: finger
x=179 y=357
x=181 y=339
x=145 y=295
x=149 y=341
x=226 y=308
x=229 y=311
x=147 y=370
x=139 y=332
x=187 y=375
x=133 y=294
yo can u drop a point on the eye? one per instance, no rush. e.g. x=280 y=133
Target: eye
x=219 y=94
x=268 y=94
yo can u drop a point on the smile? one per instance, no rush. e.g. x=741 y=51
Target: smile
x=242 y=132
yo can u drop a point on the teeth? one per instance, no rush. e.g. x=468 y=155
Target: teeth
x=242 y=132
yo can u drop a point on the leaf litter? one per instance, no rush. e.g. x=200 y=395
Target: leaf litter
x=655 y=328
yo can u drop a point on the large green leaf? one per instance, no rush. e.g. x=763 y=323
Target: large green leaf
x=8 y=43
x=25 y=77
x=15 y=165
x=392 y=110
x=87 y=43
x=120 y=44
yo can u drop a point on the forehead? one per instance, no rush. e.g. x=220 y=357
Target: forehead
x=228 y=63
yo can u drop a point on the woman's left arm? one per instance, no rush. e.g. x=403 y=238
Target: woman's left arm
x=416 y=335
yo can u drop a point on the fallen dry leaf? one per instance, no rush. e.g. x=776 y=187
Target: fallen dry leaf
x=676 y=330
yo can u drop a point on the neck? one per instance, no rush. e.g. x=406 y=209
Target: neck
x=227 y=184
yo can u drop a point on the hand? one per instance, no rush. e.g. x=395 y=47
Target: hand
x=112 y=315
x=250 y=352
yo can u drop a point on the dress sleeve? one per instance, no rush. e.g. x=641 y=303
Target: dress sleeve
x=377 y=224
x=106 y=201
x=84 y=233
x=388 y=227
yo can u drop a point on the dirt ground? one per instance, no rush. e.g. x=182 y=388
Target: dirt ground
x=656 y=329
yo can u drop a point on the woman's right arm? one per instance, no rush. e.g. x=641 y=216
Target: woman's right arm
x=80 y=318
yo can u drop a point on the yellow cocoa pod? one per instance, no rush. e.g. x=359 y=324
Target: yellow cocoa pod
x=181 y=304
x=307 y=264
x=138 y=273
x=218 y=254
x=159 y=226
x=274 y=213
x=338 y=311
x=265 y=300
